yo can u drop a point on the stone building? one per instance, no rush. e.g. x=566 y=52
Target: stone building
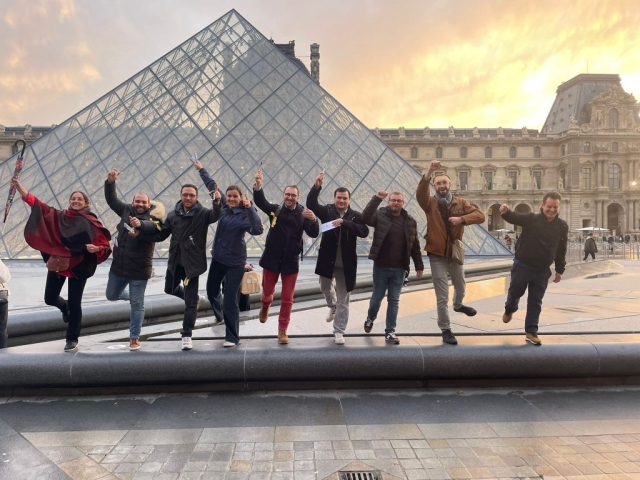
x=588 y=150
x=9 y=135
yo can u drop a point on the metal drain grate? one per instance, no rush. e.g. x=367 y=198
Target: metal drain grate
x=361 y=475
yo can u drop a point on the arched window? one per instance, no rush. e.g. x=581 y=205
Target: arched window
x=463 y=152
x=512 y=152
x=536 y=152
x=438 y=152
x=614 y=147
x=614 y=176
x=487 y=152
x=613 y=118
x=414 y=152
x=586 y=147
x=563 y=150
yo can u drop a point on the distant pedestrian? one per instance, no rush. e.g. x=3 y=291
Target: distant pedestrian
x=611 y=242
x=543 y=241
x=590 y=247
x=507 y=240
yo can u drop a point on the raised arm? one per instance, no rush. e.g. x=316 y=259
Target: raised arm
x=423 y=193
x=312 y=200
x=208 y=180
x=110 y=194
x=369 y=212
x=255 y=225
x=522 y=219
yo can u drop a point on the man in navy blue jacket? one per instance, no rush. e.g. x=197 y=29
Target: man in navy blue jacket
x=543 y=241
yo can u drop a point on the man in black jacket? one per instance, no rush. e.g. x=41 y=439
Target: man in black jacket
x=282 y=249
x=132 y=257
x=188 y=224
x=395 y=240
x=337 y=257
x=543 y=241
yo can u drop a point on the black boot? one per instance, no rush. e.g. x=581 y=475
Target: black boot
x=468 y=311
x=447 y=337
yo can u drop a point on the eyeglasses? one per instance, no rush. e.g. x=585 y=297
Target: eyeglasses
x=396 y=200
x=291 y=195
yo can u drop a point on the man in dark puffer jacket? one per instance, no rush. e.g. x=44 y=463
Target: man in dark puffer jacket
x=132 y=256
x=543 y=241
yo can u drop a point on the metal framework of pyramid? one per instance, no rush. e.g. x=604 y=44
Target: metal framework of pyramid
x=231 y=96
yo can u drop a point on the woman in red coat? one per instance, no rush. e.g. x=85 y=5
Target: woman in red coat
x=72 y=243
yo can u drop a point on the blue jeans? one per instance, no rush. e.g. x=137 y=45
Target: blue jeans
x=116 y=290
x=384 y=279
x=536 y=281
x=232 y=277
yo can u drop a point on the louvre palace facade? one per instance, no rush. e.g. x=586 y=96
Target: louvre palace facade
x=588 y=150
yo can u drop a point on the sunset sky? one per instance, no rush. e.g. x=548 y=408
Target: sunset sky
x=484 y=63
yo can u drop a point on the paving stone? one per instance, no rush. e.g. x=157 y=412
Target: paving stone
x=524 y=471
x=135 y=457
x=218 y=466
x=457 y=442
x=167 y=476
x=83 y=468
x=444 y=452
x=242 y=456
x=576 y=459
x=429 y=463
x=410 y=463
x=283 y=446
x=282 y=455
x=101 y=449
x=282 y=475
x=151 y=467
x=190 y=476
x=240 y=466
x=119 y=449
x=323 y=445
x=212 y=475
x=224 y=447
x=263 y=455
x=264 y=447
x=472 y=462
x=451 y=462
x=311 y=433
x=492 y=461
x=303 y=465
x=342 y=445
x=112 y=458
x=139 y=476
x=365 y=454
x=608 y=467
x=416 y=474
x=60 y=455
x=400 y=444
x=303 y=455
x=262 y=466
x=614 y=457
x=221 y=456
x=385 y=432
x=567 y=470
x=201 y=456
x=238 y=434
x=244 y=447
x=195 y=467
x=405 y=453
x=438 y=474
x=325 y=455
x=237 y=476
x=127 y=467
x=385 y=453
x=629 y=467
x=304 y=475
x=345 y=454
x=546 y=471
x=533 y=460
x=464 y=452
x=503 y=472
x=458 y=473
x=173 y=467
x=96 y=458
x=480 y=472
x=283 y=466
x=204 y=447
x=259 y=475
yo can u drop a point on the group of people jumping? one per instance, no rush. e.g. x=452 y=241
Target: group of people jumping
x=73 y=242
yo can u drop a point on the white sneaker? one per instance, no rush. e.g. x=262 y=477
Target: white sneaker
x=331 y=315
x=340 y=339
x=200 y=299
x=228 y=344
x=187 y=344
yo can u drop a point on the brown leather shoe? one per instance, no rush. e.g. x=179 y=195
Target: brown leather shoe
x=134 y=344
x=282 y=337
x=506 y=317
x=533 y=339
x=264 y=313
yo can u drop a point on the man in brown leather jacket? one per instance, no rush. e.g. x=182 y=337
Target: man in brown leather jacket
x=457 y=212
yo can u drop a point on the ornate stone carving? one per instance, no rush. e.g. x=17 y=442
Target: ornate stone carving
x=28 y=129
x=451 y=131
x=525 y=131
x=572 y=122
x=560 y=184
x=586 y=128
x=376 y=131
x=631 y=121
x=1 y=128
x=615 y=95
x=500 y=131
x=426 y=132
x=476 y=131
x=401 y=133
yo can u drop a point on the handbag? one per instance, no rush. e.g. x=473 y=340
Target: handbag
x=57 y=264
x=251 y=282
x=457 y=252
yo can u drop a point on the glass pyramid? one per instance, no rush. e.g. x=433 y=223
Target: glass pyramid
x=230 y=95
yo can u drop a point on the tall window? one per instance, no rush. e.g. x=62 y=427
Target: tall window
x=488 y=180
x=414 y=152
x=537 y=178
x=614 y=147
x=586 y=147
x=614 y=176
x=563 y=150
x=536 y=152
x=487 y=152
x=464 y=180
x=513 y=180
x=613 y=118
x=512 y=152
x=438 y=152
x=586 y=178
x=463 y=152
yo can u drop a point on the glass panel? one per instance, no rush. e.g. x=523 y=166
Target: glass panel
x=272 y=132
x=315 y=147
x=286 y=118
x=301 y=105
x=247 y=104
x=244 y=132
x=286 y=147
x=301 y=132
x=258 y=147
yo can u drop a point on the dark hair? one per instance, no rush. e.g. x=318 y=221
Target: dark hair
x=552 y=195
x=234 y=187
x=189 y=185
x=293 y=186
x=341 y=189
x=141 y=194
x=84 y=195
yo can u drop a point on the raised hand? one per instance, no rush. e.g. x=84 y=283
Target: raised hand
x=245 y=201
x=433 y=166
x=382 y=194
x=216 y=195
x=319 y=180
x=504 y=208
x=258 y=177
x=306 y=213
x=198 y=165
x=113 y=175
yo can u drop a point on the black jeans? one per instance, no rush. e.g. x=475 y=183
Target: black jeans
x=232 y=277
x=537 y=281
x=586 y=254
x=73 y=305
x=189 y=293
x=4 y=314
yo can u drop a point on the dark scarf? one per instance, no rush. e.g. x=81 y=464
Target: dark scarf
x=66 y=233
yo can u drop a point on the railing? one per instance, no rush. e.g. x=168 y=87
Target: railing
x=606 y=251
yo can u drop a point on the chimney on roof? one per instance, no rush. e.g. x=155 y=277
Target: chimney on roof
x=315 y=62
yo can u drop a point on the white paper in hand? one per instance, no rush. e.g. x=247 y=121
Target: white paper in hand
x=194 y=158
x=325 y=227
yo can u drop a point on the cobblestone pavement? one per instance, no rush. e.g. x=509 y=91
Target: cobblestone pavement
x=405 y=451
